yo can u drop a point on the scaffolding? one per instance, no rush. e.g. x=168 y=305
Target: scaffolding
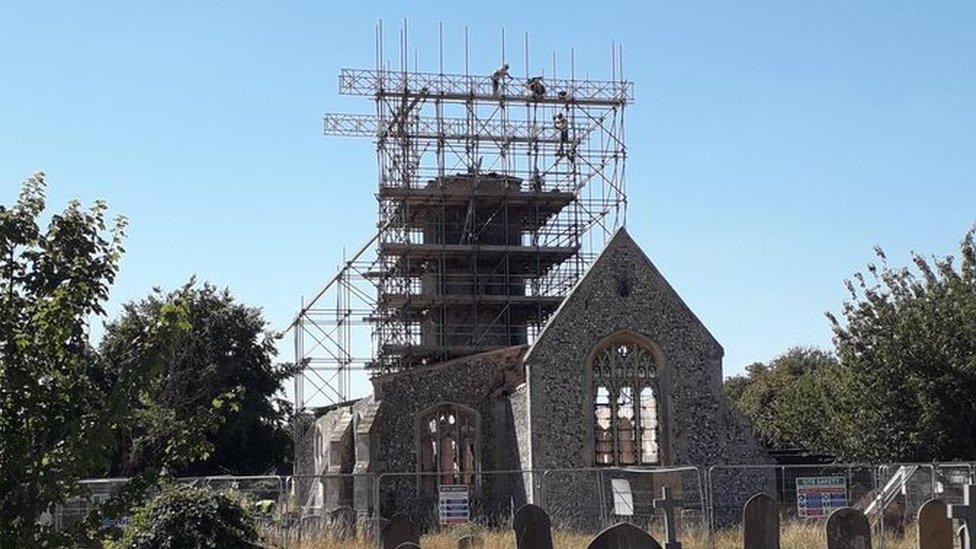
x=495 y=191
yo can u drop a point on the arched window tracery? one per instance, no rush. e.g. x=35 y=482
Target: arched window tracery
x=626 y=405
x=448 y=444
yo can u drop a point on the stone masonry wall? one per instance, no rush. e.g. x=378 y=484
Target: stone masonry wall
x=518 y=404
x=623 y=291
x=479 y=382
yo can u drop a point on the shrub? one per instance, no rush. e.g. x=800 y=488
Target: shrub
x=184 y=516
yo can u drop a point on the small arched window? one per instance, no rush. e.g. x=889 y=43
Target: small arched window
x=448 y=443
x=626 y=405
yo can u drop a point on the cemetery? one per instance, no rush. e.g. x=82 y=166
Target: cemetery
x=926 y=507
x=764 y=523
x=499 y=359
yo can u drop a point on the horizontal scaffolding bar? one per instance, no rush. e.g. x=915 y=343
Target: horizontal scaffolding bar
x=431 y=129
x=459 y=87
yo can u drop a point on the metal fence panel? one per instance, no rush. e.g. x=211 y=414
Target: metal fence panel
x=949 y=479
x=91 y=493
x=452 y=504
x=320 y=509
x=889 y=495
x=588 y=500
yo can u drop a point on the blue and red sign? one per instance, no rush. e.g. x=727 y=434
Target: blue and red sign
x=817 y=497
x=454 y=505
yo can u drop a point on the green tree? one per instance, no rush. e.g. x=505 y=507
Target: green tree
x=58 y=409
x=786 y=399
x=62 y=406
x=225 y=359
x=188 y=516
x=902 y=384
x=907 y=346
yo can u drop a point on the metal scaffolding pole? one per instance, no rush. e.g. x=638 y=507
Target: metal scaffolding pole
x=495 y=192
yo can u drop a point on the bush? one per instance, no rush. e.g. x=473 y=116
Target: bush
x=184 y=516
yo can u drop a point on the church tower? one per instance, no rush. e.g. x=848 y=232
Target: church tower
x=496 y=188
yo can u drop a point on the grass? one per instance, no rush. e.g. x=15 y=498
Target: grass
x=792 y=536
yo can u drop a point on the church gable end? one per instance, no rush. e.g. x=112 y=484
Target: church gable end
x=624 y=300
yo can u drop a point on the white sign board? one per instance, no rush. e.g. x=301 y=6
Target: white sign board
x=817 y=497
x=623 y=498
x=454 y=506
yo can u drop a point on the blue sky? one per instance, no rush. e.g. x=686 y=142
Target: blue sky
x=772 y=144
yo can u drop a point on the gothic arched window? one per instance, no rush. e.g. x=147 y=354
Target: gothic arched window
x=626 y=406
x=448 y=444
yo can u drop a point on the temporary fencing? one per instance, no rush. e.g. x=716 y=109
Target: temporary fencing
x=588 y=500
x=709 y=500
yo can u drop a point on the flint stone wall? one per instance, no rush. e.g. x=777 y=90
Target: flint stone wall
x=624 y=292
x=482 y=383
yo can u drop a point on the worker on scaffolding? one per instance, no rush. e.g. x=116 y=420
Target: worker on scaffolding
x=562 y=126
x=537 y=181
x=536 y=87
x=499 y=77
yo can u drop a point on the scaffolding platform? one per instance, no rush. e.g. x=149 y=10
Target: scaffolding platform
x=518 y=256
x=462 y=88
x=438 y=196
x=429 y=354
x=427 y=301
x=432 y=129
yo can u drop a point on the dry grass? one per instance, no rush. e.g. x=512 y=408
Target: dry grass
x=793 y=536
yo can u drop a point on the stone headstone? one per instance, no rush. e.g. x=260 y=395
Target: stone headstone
x=848 y=528
x=760 y=523
x=343 y=522
x=934 y=525
x=532 y=528
x=312 y=525
x=398 y=531
x=623 y=535
x=470 y=541
x=408 y=545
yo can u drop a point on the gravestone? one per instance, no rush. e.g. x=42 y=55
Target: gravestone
x=760 y=523
x=669 y=504
x=623 y=535
x=343 y=522
x=470 y=541
x=532 y=528
x=848 y=528
x=312 y=525
x=934 y=525
x=966 y=515
x=398 y=531
x=408 y=545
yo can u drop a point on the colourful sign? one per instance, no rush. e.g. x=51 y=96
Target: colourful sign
x=454 y=506
x=817 y=497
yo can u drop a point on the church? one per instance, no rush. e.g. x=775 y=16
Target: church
x=622 y=375
x=518 y=328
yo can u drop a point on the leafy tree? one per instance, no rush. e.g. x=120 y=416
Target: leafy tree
x=901 y=387
x=62 y=406
x=188 y=516
x=224 y=362
x=785 y=399
x=58 y=409
x=907 y=345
